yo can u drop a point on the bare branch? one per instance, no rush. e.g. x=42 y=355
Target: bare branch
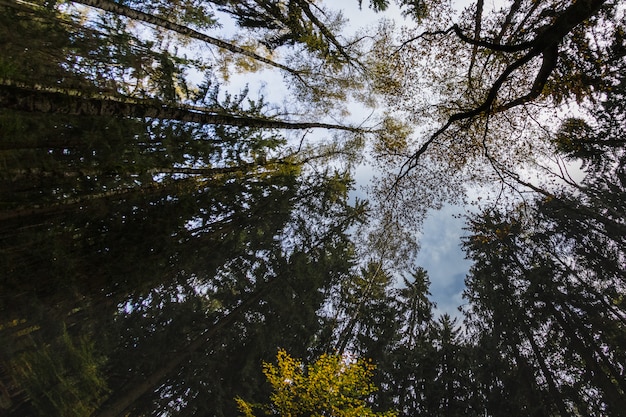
x=420 y=36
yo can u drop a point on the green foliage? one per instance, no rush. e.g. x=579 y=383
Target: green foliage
x=575 y=139
x=294 y=23
x=376 y=5
x=195 y=13
x=62 y=378
x=333 y=385
x=533 y=284
x=417 y=9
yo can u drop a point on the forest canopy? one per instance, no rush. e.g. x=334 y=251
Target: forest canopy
x=167 y=226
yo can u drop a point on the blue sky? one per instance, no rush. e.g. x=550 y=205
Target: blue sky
x=441 y=255
x=440 y=249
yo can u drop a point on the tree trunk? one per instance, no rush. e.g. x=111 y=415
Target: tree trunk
x=76 y=202
x=121 y=10
x=42 y=101
x=557 y=398
x=571 y=316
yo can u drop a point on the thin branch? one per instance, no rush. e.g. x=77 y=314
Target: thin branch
x=496 y=165
x=420 y=36
x=491 y=45
x=411 y=163
x=508 y=20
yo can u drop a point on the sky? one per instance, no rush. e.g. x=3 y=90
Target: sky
x=440 y=238
x=440 y=253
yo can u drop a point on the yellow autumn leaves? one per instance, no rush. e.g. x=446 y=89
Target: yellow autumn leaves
x=332 y=386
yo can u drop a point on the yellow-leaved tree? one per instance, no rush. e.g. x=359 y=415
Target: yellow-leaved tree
x=333 y=386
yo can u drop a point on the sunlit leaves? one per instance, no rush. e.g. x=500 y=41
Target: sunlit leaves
x=333 y=385
x=392 y=138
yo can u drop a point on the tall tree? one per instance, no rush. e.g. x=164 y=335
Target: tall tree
x=111 y=222
x=550 y=305
x=407 y=363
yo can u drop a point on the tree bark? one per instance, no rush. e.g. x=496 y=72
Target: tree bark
x=88 y=200
x=43 y=101
x=555 y=394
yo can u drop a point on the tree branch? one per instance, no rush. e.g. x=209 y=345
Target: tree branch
x=490 y=45
x=478 y=19
x=420 y=36
x=327 y=33
x=546 y=44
